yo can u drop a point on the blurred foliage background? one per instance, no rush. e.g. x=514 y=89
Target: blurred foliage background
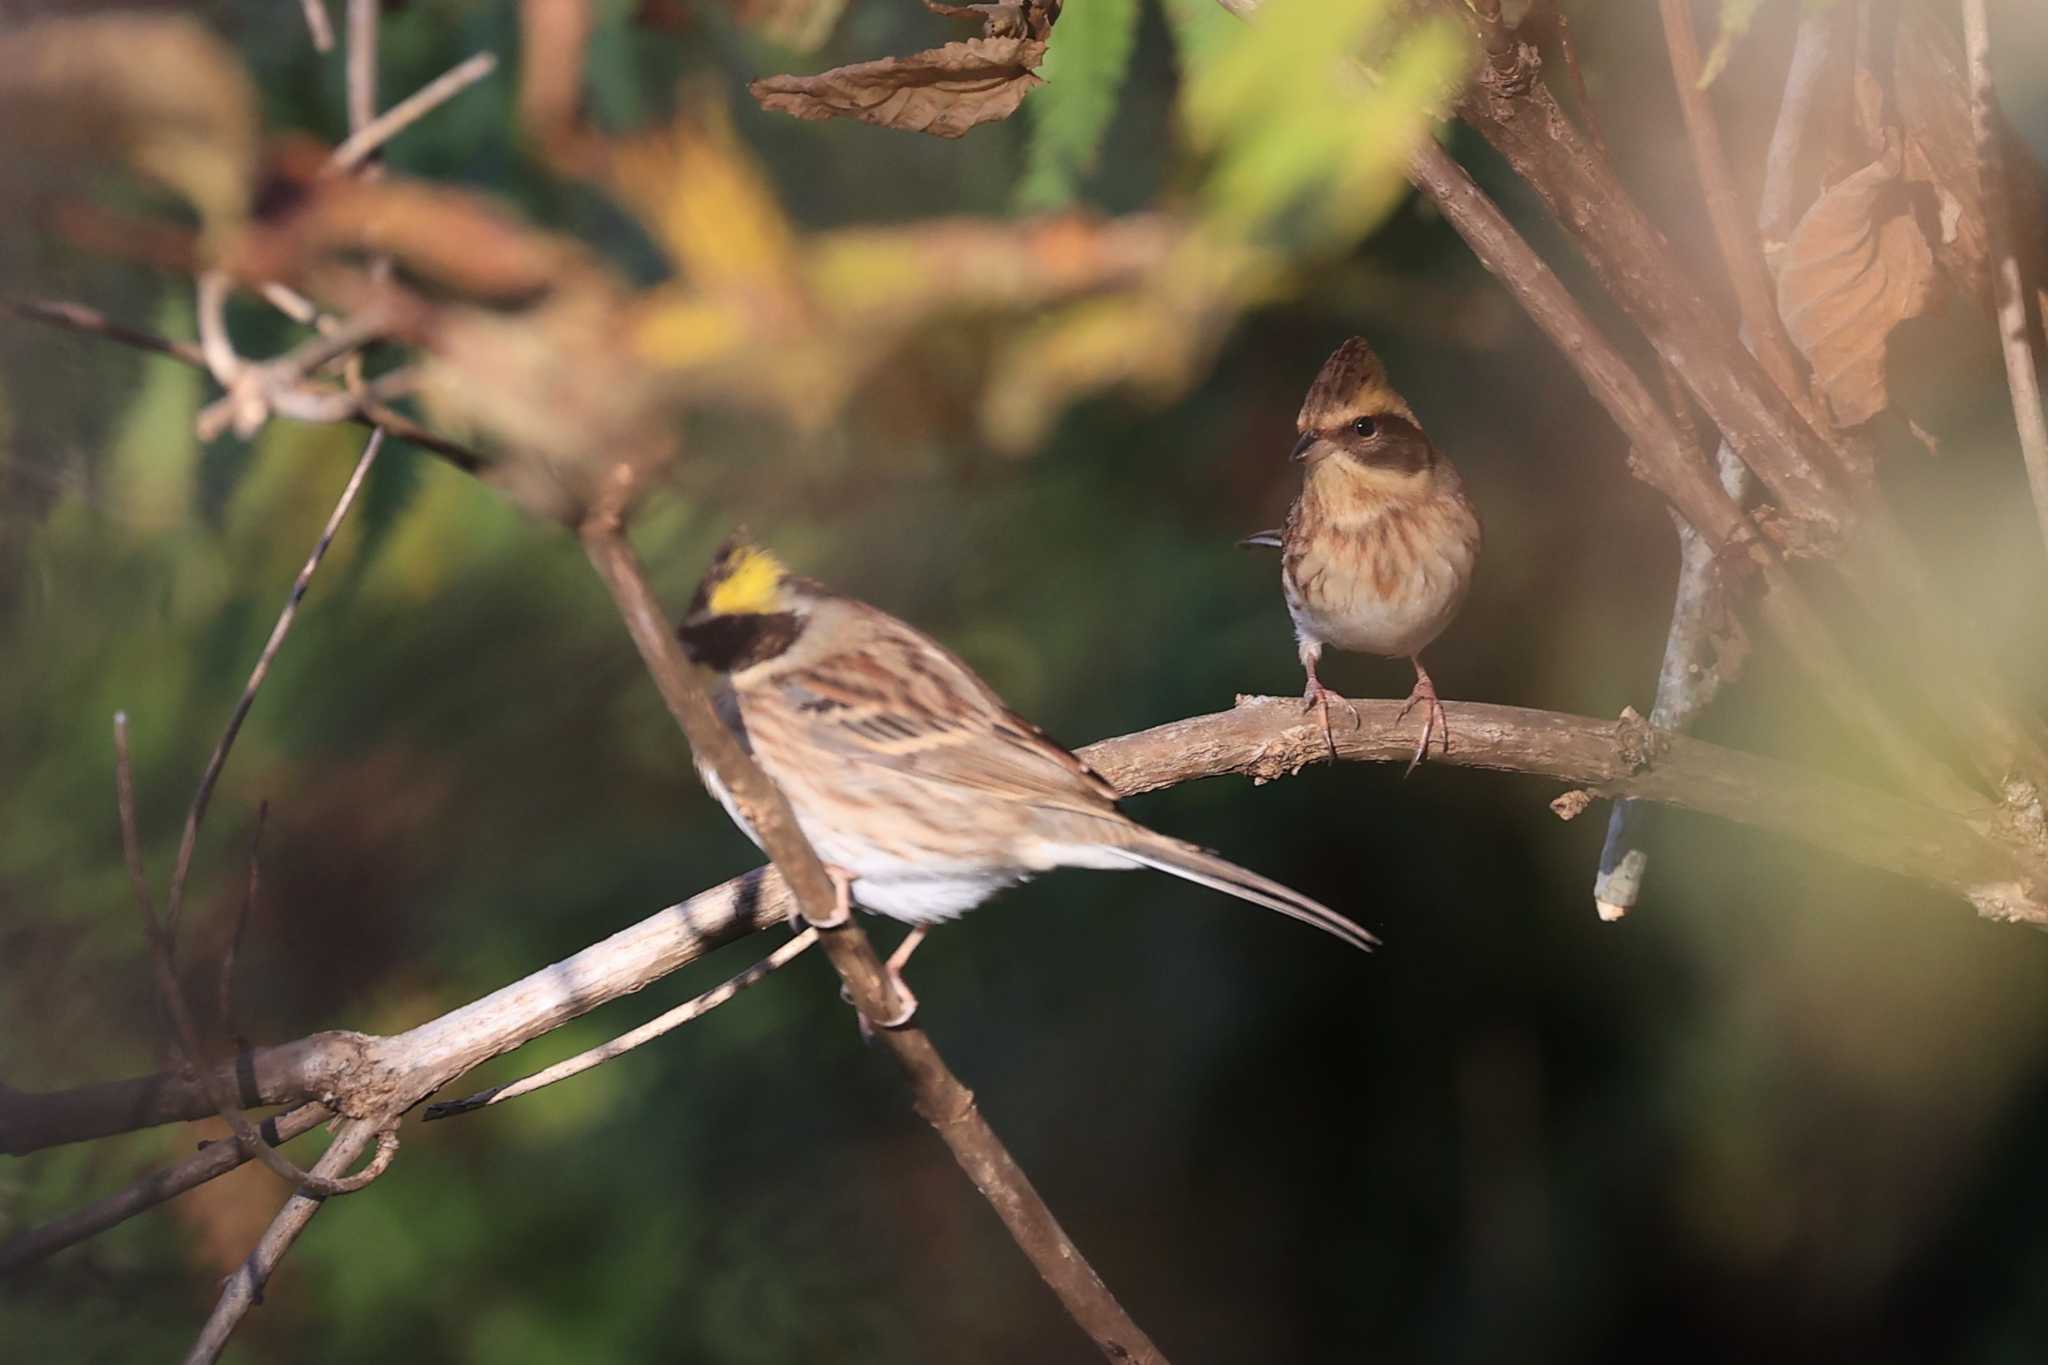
x=1787 y=1108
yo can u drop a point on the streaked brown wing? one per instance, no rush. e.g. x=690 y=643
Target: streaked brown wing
x=901 y=700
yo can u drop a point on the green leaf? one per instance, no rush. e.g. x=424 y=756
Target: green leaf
x=1302 y=142
x=1083 y=71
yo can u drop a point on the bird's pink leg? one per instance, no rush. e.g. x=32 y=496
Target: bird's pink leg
x=894 y=966
x=906 y=998
x=1432 y=714
x=1317 y=697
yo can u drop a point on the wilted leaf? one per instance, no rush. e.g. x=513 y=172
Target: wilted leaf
x=1083 y=71
x=157 y=92
x=944 y=91
x=1857 y=265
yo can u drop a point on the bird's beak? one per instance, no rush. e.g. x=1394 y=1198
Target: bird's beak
x=1301 y=447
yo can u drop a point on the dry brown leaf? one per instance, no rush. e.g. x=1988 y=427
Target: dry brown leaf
x=1857 y=265
x=944 y=91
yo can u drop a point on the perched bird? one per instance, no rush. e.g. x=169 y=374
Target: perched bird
x=921 y=791
x=1379 y=547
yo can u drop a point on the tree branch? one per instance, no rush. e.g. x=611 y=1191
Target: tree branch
x=217 y=760
x=2014 y=335
x=1810 y=477
x=1665 y=459
x=243 y=1289
x=77 y=317
x=1263 y=738
x=212 y=1160
x=1740 y=253
x=365 y=141
x=185 y=1032
x=664 y=1023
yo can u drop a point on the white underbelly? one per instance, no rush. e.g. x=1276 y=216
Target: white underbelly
x=923 y=892
x=1348 y=612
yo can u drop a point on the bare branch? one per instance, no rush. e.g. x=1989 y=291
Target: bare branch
x=1664 y=459
x=374 y=133
x=77 y=317
x=243 y=1289
x=666 y=1022
x=218 y=759
x=1686 y=682
x=173 y=997
x=1813 y=51
x=363 y=16
x=318 y=24
x=224 y=1007
x=1821 y=484
x=1740 y=253
x=2014 y=334
x=213 y=1159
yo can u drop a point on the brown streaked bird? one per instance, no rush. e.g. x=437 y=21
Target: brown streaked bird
x=1379 y=547
x=920 y=790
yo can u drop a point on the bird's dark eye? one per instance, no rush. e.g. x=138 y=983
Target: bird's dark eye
x=1366 y=427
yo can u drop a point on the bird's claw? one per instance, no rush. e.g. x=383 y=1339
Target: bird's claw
x=1317 y=699
x=1433 y=720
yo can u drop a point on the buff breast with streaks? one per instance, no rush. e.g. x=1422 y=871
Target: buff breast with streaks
x=920 y=790
x=1380 y=545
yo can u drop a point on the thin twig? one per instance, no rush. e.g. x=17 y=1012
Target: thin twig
x=224 y=1011
x=1812 y=57
x=666 y=1022
x=2013 y=334
x=218 y=759
x=173 y=997
x=363 y=16
x=1686 y=681
x=318 y=24
x=280 y=385
x=1740 y=253
x=365 y=142
x=940 y=1097
x=243 y=1289
x=77 y=317
x=1686 y=685
x=212 y=1160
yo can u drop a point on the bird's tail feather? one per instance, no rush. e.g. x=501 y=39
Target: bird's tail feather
x=1201 y=866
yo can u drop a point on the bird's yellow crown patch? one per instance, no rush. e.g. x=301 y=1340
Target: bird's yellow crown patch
x=751 y=583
